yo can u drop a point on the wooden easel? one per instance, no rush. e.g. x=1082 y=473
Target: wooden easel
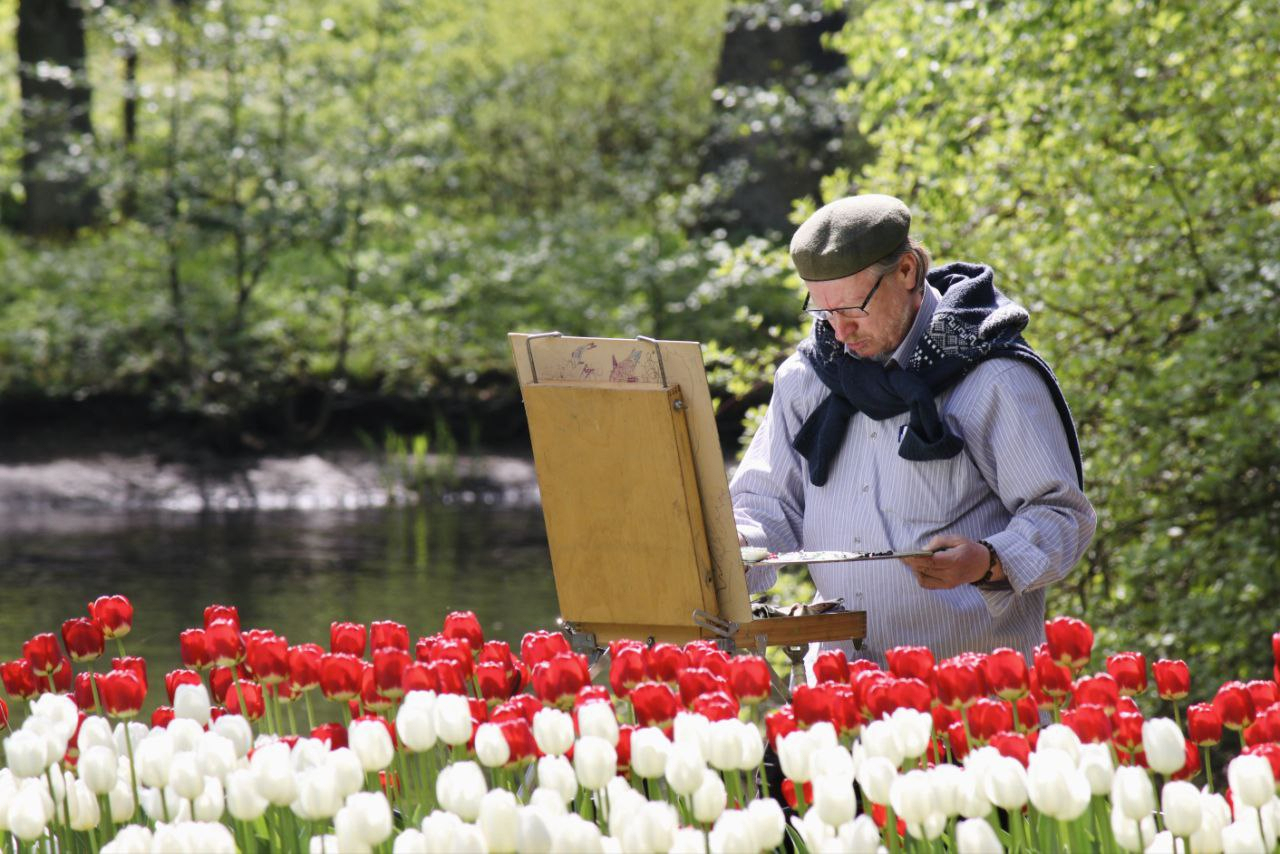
x=639 y=519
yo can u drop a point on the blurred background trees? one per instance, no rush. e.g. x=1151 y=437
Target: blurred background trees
x=268 y=221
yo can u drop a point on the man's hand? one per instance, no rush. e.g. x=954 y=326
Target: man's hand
x=958 y=561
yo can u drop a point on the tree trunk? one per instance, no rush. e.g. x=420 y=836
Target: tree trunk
x=56 y=128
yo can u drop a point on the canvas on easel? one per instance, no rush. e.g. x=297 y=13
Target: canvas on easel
x=637 y=507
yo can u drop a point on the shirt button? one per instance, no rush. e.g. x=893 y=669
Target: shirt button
x=866 y=487
x=874 y=434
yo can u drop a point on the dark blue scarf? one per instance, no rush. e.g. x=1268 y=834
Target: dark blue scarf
x=972 y=323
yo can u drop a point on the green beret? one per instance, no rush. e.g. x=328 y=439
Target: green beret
x=848 y=236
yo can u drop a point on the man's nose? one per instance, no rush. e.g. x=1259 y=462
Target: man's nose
x=844 y=325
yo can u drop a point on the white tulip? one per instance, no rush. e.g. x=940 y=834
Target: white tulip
x=191 y=702
x=237 y=729
x=976 y=836
x=273 y=773
x=553 y=731
x=709 y=799
x=97 y=768
x=191 y=837
x=913 y=730
x=595 y=761
x=1164 y=745
x=724 y=747
x=83 y=806
x=216 y=754
x=795 y=750
x=751 y=745
x=971 y=796
x=95 y=731
x=368 y=819
x=933 y=826
x=416 y=724
x=185 y=776
x=1251 y=780
x=1132 y=793
x=129 y=732
x=653 y=827
x=620 y=805
x=439 y=830
x=120 y=799
x=1006 y=783
x=685 y=767
x=26 y=754
x=324 y=844
x=556 y=774
x=946 y=780
x=210 y=804
x=1095 y=764
x=533 y=834
x=599 y=720
x=1180 y=804
x=164 y=805
x=469 y=840
x=132 y=839
x=880 y=738
x=498 y=820
x=649 y=748
x=688 y=840
x=1132 y=834
x=1164 y=843
x=347 y=829
x=349 y=771
x=1214 y=816
x=452 y=717
x=911 y=796
x=411 y=841
x=833 y=798
x=691 y=728
x=860 y=835
x=1055 y=786
x=733 y=831
x=371 y=743
x=1268 y=817
x=491 y=746
x=309 y=753
x=1243 y=837
x=319 y=796
x=60 y=710
x=55 y=744
x=574 y=835
x=1060 y=737
x=153 y=756
x=459 y=789
x=876 y=776
x=834 y=762
x=185 y=734
x=243 y=801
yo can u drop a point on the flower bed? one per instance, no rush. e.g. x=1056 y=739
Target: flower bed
x=454 y=743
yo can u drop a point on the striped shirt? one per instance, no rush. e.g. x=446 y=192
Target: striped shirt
x=1014 y=485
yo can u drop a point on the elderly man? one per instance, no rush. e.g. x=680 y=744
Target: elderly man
x=915 y=416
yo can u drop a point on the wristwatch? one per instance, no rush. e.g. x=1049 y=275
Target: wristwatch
x=985 y=582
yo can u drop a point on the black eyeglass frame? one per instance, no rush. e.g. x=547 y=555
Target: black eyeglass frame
x=825 y=313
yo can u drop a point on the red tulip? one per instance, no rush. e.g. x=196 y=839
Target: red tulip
x=1191 y=767
x=779 y=723
x=958 y=740
x=465 y=626
x=716 y=706
x=419 y=676
x=388 y=633
x=1070 y=641
x=911 y=662
x=1126 y=730
x=253 y=703
x=1097 y=690
x=122 y=693
x=1054 y=679
x=717 y=661
x=664 y=662
x=1005 y=671
x=304 y=666
x=1263 y=693
x=988 y=717
x=492 y=679
x=1027 y=712
x=558 y=679
x=283 y=691
x=63 y=676
x=591 y=694
x=43 y=653
x=174 y=678
x=162 y=716
x=193 y=649
x=334 y=733
x=789 y=794
x=135 y=663
x=1012 y=744
x=449 y=676
x=831 y=665
x=1089 y=723
x=846 y=711
x=82 y=693
x=1234 y=704
x=500 y=652
x=422 y=649
x=750 y=678
x=347 y=638
x=83 y=639
x=697 y=649
x=540 y=646
x=943 y=717
x=811 y=704
x=370 y=696
x=19 y=679
x=872 y=691
x=1173 y=679
x=267 y=657
x=695 y=681
x=114 y=614
x=627 y=670
x=1129 y=669
x=959 y=682
x=229 y=613
x=457 y=650
x=340 y=675
x=389 y=664
x=622 y=748
x=223 y=643
x=520 y=741
x=655 y=704
x=528 y=705
x=911 y=693
x=220 y=679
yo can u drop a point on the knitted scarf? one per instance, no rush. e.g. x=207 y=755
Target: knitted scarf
x=972 y=323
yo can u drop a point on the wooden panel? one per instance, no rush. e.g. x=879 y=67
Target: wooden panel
x=789 y=631
x=624 y=519
x=634 y=364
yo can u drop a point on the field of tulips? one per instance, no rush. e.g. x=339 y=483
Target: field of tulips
x=452 y=743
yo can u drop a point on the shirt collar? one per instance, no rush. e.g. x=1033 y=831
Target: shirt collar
x=902 y=356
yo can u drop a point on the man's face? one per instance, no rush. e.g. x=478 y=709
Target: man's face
x=889 y=314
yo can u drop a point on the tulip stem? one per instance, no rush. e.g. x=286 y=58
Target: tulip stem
x=293 y=722
x=311 y=719
x=53 y=689
x=104 y=808
x=120 y=646
x=1177 y=716
x=890 y=821
x=1016 y=830
x=133 y=771
x=1208 y=769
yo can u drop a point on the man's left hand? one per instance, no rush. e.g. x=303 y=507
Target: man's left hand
x=958 y=560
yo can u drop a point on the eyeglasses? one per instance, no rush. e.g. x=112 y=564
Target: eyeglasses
x=846 y=311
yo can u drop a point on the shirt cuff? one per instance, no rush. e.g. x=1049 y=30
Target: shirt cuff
x=1019 y=569
x=759 y=578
